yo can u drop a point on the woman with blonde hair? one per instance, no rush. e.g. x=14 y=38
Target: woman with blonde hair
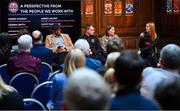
x=74 y=59
x=111 y=58
x=147 y=43
x=109 y=70
x=9 y=99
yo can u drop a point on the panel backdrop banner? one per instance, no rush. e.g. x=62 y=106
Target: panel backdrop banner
x=41 y=15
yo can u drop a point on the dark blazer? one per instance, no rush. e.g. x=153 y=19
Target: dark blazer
x=94 y=43
x=40 y=51
x=95 y=46
x=23 y=62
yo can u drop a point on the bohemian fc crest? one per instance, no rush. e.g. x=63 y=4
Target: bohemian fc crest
x=13 y=7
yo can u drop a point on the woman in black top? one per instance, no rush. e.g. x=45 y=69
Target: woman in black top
x=147 y=44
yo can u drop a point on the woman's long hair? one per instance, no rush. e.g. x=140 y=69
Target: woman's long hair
x=4 y=88
x=152 y=31
x=74 y=59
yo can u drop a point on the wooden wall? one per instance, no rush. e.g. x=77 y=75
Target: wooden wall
x=127 y=27
x=168 y=24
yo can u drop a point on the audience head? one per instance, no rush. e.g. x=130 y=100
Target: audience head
x=108 y=77
x=37 y=36
x=150 y=28
x=128 y=69
x=24 y=43
x=167 y=94
x=23 y=32
x=111 y=58
x=109 y=31
x=83 y=45
x=74 y=59
x=87 y=90
x=5 y=46
x=170 y=57
x=114 y=45
x=90 y=30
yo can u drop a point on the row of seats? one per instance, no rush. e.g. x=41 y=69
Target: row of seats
x=28 y=86
x=35 y=95
x=46 y=70
x=32 y=103
x=34 y=91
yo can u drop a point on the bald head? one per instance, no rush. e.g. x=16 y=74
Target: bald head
x=37 y=36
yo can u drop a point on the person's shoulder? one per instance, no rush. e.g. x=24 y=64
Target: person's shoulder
x=149 y=104
x=104 y=36
x=64 y=34
x=116 y=36
x=60 y=77
x=46 y=50
x=82 y=36
x=148 y=70
x=50 y=36
x=35 y=59
x=13 y=57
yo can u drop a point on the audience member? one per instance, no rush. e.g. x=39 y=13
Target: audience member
x=94 y=43
x=83 y=45
x=86 y=90
x=9 y=99
x=167 y=94
x=74 y=59
x=39 y=50
x=111 y=58
x=109 y=70
x=24 y=62
x=113 y=45
x=169 y=63
x=147 y=44
x=128 y=68
x=21 y=32
x=5 y=48
x=109 y=33
x=108 y=76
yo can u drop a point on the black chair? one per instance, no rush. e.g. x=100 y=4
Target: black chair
x=24 y=83
x=33 y=104
x=42 y=92
x=46 y=70
x=4 y=74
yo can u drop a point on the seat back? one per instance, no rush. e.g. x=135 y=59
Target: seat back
x=24 y=83
x=4 y=74
x=42 y=92
x=52 y=75
x=46 y=69
x=33 y=104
